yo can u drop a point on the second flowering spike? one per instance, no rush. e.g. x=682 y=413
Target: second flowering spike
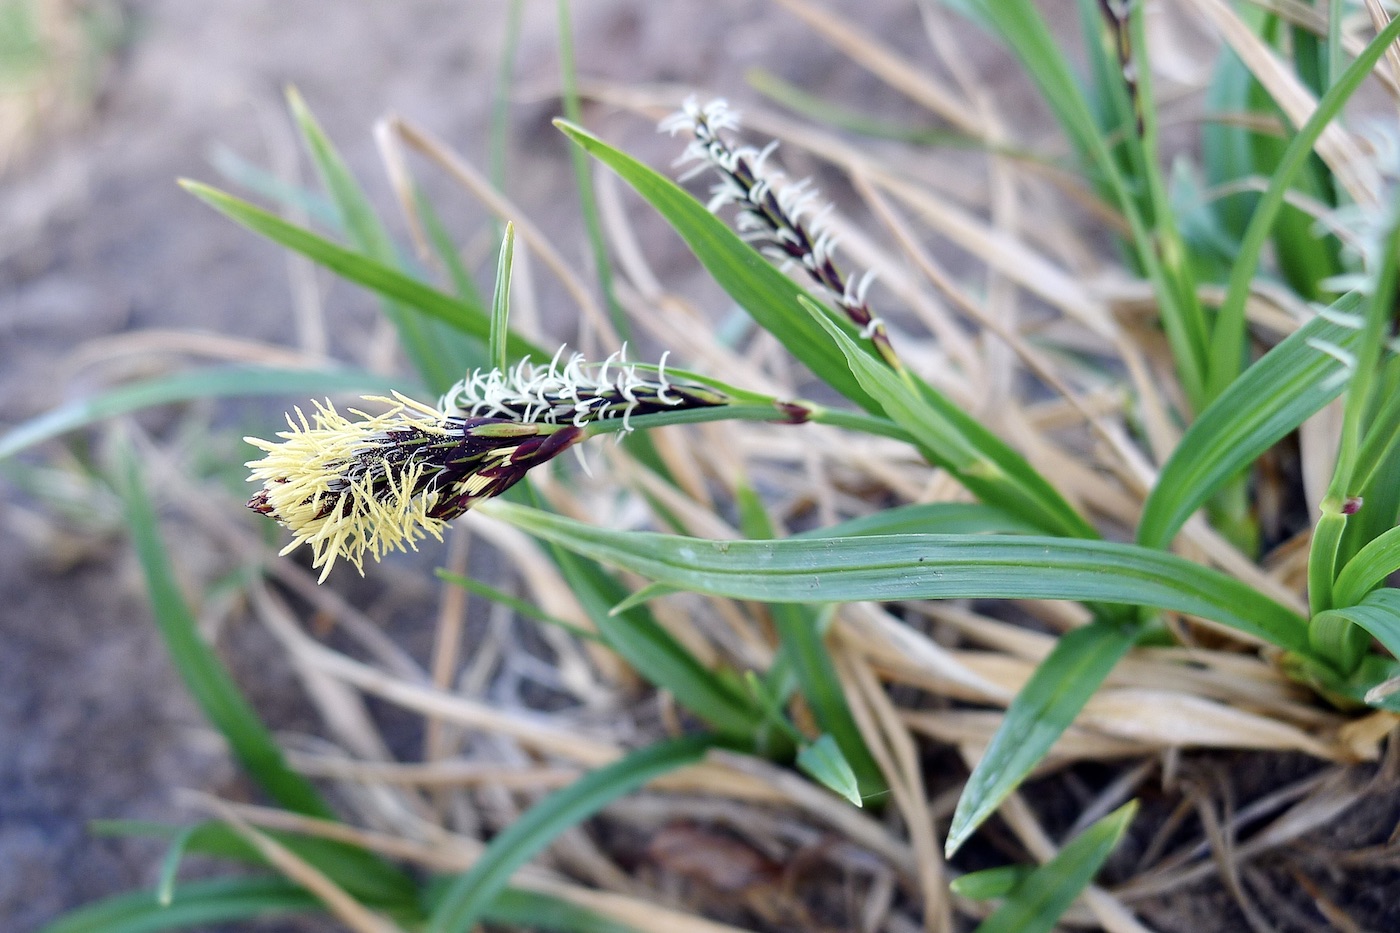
x=783 y=219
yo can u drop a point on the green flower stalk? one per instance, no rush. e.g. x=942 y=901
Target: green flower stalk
x=384 y=482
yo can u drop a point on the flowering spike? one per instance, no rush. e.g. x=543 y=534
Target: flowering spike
x=781 y=219
x=575 y=393
x=387 y=481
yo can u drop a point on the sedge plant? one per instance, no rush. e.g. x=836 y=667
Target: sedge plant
x=999 y=506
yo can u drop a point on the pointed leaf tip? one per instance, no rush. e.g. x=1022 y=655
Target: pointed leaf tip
x=823 y=762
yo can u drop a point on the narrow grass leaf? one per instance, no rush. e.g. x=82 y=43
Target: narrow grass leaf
x=1038 y=902
x=468 y=898
x=1037 y=717
x=514 y=604
x=1378 y=614
x=948 y=437
x=803 y=646
x=818 y=109
x=804 y=655
x=182 y=387
x=199 y=667
x=1288 y=384
x=439 y=353
x=1368 y=569
x=358 y=268
x=1020 y=25
x=463 y=285
x=583 y=181
x=500 y=301
x=195 y=906
x=990 y=882
x=769 y=297
x=948 y=518
x=271 y=187
x=1378 y=462
x=653 y=652
x=170 y=866
x=213 y=688
x=1365 y=394
x=358 y=872
x=823 y=762
x=1228 y=334
x=501 y=97
x=918 y=566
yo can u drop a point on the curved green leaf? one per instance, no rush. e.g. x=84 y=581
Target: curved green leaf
x=205 y=676
x=1228 y=335
x=219 y=697
x=1368 y=569
x=182 y=387
x=469 y=896
x=1037 y=903
x=1037 y=717
x=194 y=905
x=498 y=356
x=947 y=436
x=440 y=353
x=948 y=518
x=990 y=882
x=360 y=269
x=1288 y=384
x=896 y=567
x=1378 y=614
x=770 y=297
x=823 y=762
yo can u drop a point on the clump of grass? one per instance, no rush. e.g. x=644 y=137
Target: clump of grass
x=926 y=483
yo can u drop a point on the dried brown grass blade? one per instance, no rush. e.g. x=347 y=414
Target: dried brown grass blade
x=1336 y=146
x=345 y=908
x=876 y=57
x=467 y=175
x=889 y=742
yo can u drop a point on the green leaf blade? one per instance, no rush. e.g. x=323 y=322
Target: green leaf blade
x=199 y=667
x=194 y=905
x=770 y=297
x=441 y=354
x=358 y=268
x=1037 y=717
x=948 y=437
x=898 y=567
x=1038 y=902
x=470 y=896
x=1288 y=384
x=823 y=762
x=223 y=382
x=1369 y=568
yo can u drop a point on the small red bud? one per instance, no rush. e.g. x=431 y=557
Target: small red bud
x=793 y=412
